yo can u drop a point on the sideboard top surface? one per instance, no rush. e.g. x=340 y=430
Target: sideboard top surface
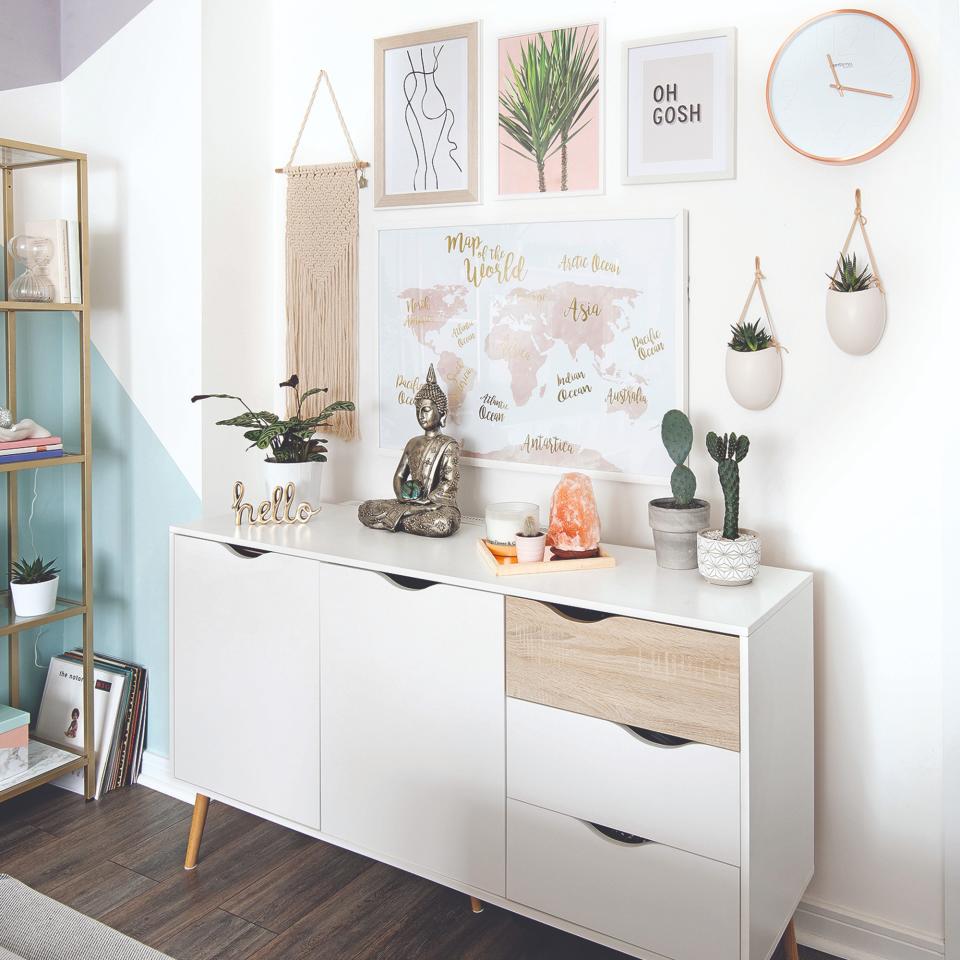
x=636 y=587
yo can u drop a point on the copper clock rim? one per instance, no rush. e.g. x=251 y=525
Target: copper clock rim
x=905 y=116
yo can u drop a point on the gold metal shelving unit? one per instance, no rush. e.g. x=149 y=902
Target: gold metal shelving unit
x=14 y=158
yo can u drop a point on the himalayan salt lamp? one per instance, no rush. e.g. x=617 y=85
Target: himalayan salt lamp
x=574 y=530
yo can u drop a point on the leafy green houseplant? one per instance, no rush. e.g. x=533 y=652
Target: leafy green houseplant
x=676 y=520
x=294 y=452
x=33 y=586
x=547 y=95
x=856 y=312
x=753 y=365
x=730 y=556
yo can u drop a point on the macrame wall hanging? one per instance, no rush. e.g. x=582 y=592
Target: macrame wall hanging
x=856 y=298
x=321 y=274
x=754 y=365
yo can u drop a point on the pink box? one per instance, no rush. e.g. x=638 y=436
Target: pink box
x=14 y=742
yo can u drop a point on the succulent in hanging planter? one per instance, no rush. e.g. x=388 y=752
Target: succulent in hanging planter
x=753 y=365
x=749 y=337
x=856 y=312
x=675 y=520
x=730 y=556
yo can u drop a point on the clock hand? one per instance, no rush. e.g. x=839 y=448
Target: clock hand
x=873 y=93
x=837 y=85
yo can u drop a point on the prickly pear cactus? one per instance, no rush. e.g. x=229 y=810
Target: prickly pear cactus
x=677 y=436
x=728 y=451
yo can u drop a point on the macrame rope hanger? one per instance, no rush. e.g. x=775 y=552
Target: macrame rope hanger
x=758 y=278
x=859 y=218
x=360 y=165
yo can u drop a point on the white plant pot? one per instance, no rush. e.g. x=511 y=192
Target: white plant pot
x=730 y=563
x=34 y=599
x=531 y=549
x=306 y=477
x=753 y=378
x=856 y=319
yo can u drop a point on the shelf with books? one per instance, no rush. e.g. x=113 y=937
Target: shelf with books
x=16 y=160
x=45 y=762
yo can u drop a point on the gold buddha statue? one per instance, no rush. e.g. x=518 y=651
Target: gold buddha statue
x=426 y=479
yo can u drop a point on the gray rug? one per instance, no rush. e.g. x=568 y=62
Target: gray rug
x=34 y=927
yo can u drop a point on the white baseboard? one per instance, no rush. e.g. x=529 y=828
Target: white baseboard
x=831 y=929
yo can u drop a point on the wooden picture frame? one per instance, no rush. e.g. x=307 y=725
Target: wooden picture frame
x=410 y=145
x=682 y=157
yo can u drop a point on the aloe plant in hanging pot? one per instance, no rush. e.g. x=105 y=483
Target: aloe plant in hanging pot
x=730 y=556
x=856 y=312
x=753 y=365
x=295 y=454
x=676 y=520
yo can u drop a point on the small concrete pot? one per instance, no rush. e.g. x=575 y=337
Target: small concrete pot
x=856 y=319
x=34 y=599
x=729 y=563
x=530 y=549
x=675 y=531
x=753 y=377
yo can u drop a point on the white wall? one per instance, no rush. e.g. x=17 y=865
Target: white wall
x=848 y=442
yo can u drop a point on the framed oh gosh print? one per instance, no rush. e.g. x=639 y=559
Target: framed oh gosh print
x=679 y=96
x=426 y=108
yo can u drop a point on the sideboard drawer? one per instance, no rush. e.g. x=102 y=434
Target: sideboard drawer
x=637 y=672
x=650 y=895
x=686 y=796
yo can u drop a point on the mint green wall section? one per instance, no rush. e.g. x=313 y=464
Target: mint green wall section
x=138 y=492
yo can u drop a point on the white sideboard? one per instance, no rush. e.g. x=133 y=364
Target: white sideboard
x=626 y=754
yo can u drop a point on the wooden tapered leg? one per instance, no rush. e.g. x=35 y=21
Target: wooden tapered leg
x=196 y=830
x=476 y=905
x=790 y=942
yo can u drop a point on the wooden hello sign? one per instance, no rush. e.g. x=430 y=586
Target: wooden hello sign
x=278 y=509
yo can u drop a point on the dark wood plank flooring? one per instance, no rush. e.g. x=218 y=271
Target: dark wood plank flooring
x=260 y=892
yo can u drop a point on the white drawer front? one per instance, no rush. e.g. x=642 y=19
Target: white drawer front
x=685 y=796
x=650 y=895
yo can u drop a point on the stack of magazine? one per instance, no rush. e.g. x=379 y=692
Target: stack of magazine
x=119 y=715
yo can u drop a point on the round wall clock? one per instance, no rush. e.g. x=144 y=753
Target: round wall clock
x=842 y=87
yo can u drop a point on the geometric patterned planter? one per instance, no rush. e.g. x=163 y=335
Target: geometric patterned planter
x=731 y=563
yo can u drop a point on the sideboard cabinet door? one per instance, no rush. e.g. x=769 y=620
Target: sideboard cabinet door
x=412 y=724
x=246 y=676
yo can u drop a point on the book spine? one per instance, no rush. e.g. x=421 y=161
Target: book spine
x=18 y=457
x=31 y=442
x=46 y=448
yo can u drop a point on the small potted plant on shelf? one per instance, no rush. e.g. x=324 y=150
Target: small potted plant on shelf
x=856 y=312
x=676 y=520
x=33 y=585
x=295 y=454
x=753 y=366
x=730 y=556
x=531 y=542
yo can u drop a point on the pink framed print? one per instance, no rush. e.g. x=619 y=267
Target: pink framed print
x=550 y=112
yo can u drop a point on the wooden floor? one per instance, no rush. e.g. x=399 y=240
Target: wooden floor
x=260 y=891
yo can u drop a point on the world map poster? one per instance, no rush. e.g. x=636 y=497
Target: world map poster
x=560 y=345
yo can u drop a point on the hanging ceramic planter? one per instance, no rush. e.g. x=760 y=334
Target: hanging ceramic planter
x=856 y=301
x=754 y=365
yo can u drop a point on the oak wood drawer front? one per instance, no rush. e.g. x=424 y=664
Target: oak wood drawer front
x=638 y=672
x=685 y=796
x=650 y=895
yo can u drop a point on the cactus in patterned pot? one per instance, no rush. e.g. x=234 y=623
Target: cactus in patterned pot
x=728 y=451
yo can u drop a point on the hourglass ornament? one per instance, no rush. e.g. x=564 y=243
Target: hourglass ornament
x=35 y=253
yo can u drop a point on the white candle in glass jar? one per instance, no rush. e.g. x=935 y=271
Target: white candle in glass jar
x=505 y=521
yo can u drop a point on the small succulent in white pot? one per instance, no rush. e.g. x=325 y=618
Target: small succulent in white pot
x=753 y=367
x=675 y=520
x=531 y=542
x=730 y=556
x=856 y=311
x=33 y=585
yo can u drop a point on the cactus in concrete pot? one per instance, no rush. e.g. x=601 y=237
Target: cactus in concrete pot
x=729 y=556
x=676 y=520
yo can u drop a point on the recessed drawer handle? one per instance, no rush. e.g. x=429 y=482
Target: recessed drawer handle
x=618 y=836
x=248 y=553
x=578 y=614
x=657 y=738
x=408 y=583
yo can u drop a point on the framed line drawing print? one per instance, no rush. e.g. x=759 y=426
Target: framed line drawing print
x=426 y=109
x=560 y=344
x=679 y=96
x=550 y=112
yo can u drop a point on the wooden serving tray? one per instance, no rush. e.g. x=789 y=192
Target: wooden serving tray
x=508 y=566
